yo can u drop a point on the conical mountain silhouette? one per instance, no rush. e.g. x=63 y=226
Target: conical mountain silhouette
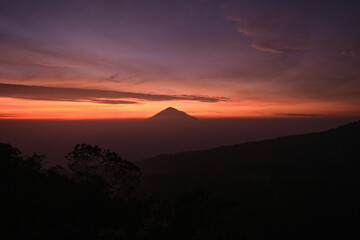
x=172 y=114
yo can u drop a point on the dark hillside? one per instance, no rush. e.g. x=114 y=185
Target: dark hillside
x=295 y=187
x=325 y=151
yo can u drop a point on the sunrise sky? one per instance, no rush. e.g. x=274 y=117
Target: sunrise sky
x=74 y=59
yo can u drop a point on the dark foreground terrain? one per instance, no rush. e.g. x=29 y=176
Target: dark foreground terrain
x=295 y=187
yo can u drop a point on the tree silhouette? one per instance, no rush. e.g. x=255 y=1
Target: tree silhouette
x=84 y=160
x=114 y=175
x=120 y=175
x=33 y=161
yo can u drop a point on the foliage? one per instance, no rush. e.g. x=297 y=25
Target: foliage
x=116 y=176
x=84 y=160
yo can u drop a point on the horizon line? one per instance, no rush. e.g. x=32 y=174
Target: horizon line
x=234 y=117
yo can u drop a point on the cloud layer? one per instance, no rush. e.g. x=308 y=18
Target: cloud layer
x=92 y=95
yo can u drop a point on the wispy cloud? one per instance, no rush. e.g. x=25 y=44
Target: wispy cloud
x=8 y=115
x=353 y=52
x=273 y=32
x=13 y=44
x=277 y=46
x=50 y=65
x=301 y=115
x=92 y=95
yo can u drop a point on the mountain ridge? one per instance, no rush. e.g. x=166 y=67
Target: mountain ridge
x=330 y=144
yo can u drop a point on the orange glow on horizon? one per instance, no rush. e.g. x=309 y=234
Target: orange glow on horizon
x=12 y=108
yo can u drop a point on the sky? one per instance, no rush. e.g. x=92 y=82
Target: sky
x=83 y=59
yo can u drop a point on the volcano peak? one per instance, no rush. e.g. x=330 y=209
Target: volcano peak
x=171 y=113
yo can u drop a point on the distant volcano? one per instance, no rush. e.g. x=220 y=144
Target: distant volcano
x=172 y=114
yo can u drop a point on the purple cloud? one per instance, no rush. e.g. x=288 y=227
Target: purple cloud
x=271 y=31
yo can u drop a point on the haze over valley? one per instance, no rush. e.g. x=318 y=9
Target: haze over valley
x=137 y=139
